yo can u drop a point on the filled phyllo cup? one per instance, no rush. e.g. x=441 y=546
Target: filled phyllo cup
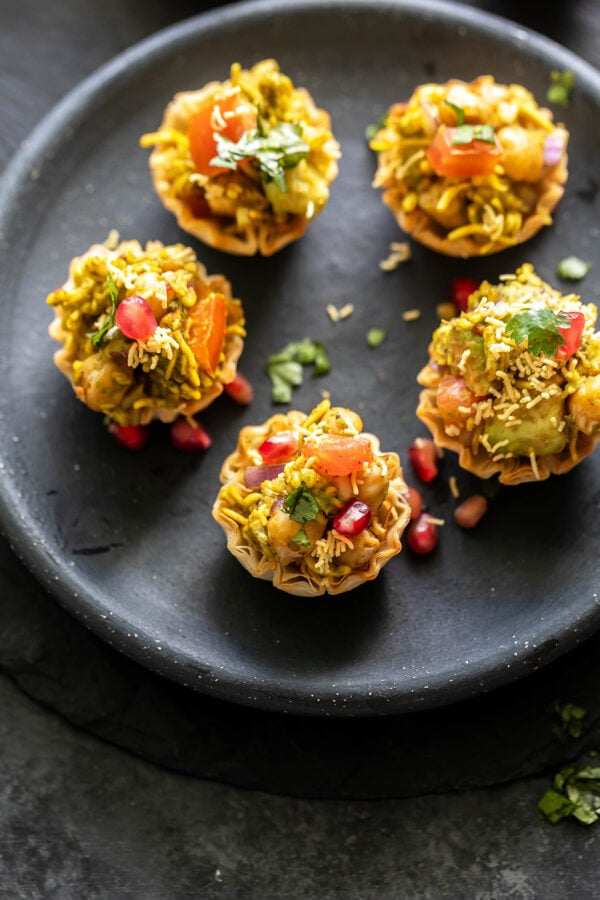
x=310 y=502
x=513 y=383
x=244 y=164
x=470 y=168
x=145 y=333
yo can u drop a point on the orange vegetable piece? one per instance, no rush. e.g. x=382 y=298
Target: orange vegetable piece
x=230 y=115
x=338 y=454
x=206 y=335
x=461 y=160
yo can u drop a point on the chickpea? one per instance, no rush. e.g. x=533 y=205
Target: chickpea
x=584 y=404
x=522 y=152
x=102 y=380
x=281 y=529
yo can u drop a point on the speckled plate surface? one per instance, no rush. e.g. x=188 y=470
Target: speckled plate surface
x=126 y=541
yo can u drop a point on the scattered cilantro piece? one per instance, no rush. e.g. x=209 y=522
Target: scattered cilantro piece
x=371 y=130
x=575 y=792
x=302 y=507
x=376 y=336
x=561 y=85
x=572 y=268
x=569 y=718
x=275 y=151
x=97 y=337
x=539 y=327
x=285 y=368
x=464 y=133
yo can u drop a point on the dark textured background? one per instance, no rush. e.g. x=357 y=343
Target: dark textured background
x=81 y=818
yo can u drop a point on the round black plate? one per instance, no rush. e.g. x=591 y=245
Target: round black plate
x=126 y=541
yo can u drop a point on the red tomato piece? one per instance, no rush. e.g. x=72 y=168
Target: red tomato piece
x=353 y=518
x=240 y=389
x=230 y=115
x=135 y=318
x=454 y=397
x=338 y=454
x=572 y=333
x=461 y=160
x=279 y=447
x=206 y=335
x=462 y=288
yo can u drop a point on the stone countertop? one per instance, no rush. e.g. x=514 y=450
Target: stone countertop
x=84 y=819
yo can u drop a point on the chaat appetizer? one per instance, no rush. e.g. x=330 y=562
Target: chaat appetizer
x=470 y=168
x=145 y=332
x=513 y=383
x=310 y=503
x=244 y=164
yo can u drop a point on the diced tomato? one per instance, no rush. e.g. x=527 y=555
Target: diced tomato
x=461 y=160
x=188 y=435
x=240 y=389
x=230 y=115
x=572 y=334
x=462 y=288
x=133 y=437
x=338 y=454
x=207 y=331
x=454 y=397
x=278 y=448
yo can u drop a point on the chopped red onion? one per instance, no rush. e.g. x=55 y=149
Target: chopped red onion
x=431 y=117
x=255 y=475
x=553 y=148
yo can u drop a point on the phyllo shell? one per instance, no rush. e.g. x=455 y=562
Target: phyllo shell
x=260 y=534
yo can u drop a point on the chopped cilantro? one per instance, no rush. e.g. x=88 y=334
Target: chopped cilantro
x=302 y=507
x=561 y=85
x=575 y=792
x=376 y=336
x=464 y=134
x=285 y=368
x=274 y=151
x=572 y=268
x=97 y=337
x=569 y=719
x=539 y=327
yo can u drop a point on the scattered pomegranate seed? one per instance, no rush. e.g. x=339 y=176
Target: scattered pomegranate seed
x=189 y=435
x=279 y=447
x=423 y=457
x=422 y=534
x=462 y=288
x=353 y=518
x=133 y=437
x=470 y=511
x=135 y=318
x=415 y=502
x=240 y=389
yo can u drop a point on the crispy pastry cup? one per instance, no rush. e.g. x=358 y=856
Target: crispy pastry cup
x=297 y=578
x=265 y=236
x=509 y=471
x=234 y=344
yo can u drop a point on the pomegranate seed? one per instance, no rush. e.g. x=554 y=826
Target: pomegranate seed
x=135 y=318
x=240 y=389
x=462 y=288
x=423 y=457
x=134 y=437
x=353 y=518
x=470 y=511
x=415 y=502
x=189 y=435
x=279 y=447
x=422 y=534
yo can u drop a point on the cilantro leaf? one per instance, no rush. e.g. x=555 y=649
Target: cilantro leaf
x=274 y=151
x=575 y=792
x=285 y=368
x=572 y=268
x=561 y=85
x=371 y=130
x=97 y=337
x=302 y=507
x=464 y=134
x=539 y=327
x=376 y=336
x=569 y=719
